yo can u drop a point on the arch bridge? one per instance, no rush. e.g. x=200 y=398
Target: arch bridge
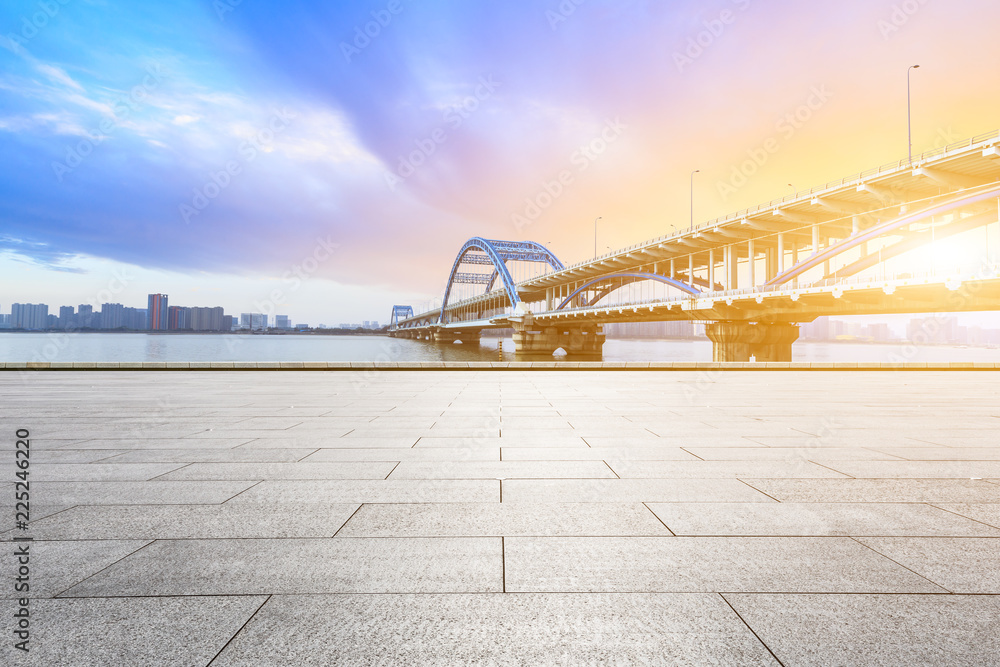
x=905 y=237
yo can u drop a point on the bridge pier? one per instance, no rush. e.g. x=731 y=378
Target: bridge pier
x=450 y=336
x=764 y=341
x=543 y=339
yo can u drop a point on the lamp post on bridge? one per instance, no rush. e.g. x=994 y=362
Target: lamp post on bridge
x=595 y=234
x=696 y=171
x=909 y=132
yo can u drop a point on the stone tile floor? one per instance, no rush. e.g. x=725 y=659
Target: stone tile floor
x=505 y=517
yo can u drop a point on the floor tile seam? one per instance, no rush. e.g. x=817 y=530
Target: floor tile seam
x=944 y=509
x=242 y=627
x=110 y=565
x=227 y=499
x=752 y=631
x=876 y=551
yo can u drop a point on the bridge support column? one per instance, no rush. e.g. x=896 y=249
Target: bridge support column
x=738 y=341
x=576 y=339
x=444 y=336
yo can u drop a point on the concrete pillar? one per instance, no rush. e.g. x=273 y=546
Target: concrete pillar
x=769 y=264
x=732 y=268
x=690 y=278
x=751 y=261
x=711 y=270
x=781 y=253
x=531 y=339
x=855 y=225
x=673 y=272
x=549 y=298
x=738 y=341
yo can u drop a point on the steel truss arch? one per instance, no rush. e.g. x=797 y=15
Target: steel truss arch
x=991 y=191
x=480 y=251
x=626 y=279
x=399 y=313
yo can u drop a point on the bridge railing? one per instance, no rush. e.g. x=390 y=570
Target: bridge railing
x=988 y=270
x=888 y=167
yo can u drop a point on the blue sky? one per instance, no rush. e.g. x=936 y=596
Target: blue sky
x=244 y=153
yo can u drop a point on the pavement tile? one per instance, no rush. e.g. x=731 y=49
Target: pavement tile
x=100 y=632
x=820 y=519
x=57 y=565
x=630 y=491
x=918 y=469
x=501 y=470
x=637 y=453
x=304 y=470
x=982 y=512
x=156 y=492
x=958 y=564
x=373 y=491
x=503 y=519
x=171 y=522
x=877 y=630
x=299 y=566
x=716 y=469
x=409 y=454
x=821 y=454
x=954 y=490
x=703 y=564
x=94 y=472
x=528 y=629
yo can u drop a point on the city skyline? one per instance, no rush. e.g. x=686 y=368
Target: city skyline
x=257 y=176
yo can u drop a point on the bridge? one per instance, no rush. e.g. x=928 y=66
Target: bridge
x=753 y=276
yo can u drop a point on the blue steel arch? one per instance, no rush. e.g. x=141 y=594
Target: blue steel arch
x=399 y=313
x=877 y=230
x=627 y=279
x=498 y=253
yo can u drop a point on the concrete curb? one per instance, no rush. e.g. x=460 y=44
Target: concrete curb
x=368 y=366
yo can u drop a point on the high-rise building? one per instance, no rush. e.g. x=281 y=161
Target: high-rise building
x=134 y=318
x=29 y=316
x=206 y=319
x=253 y=321
x=85 y=317
x=112 y=315
x=67 y=318
x=281 y=322
x=178 y=318
x=156 y=313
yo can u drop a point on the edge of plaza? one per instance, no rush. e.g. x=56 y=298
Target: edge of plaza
x=488 y=365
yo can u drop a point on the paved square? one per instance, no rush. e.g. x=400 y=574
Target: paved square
x=505 y=517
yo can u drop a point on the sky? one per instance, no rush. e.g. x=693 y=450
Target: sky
x=327 y=160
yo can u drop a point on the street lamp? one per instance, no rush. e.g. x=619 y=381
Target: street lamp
x=692 y=197
x=909 y=133
x=595 y=234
